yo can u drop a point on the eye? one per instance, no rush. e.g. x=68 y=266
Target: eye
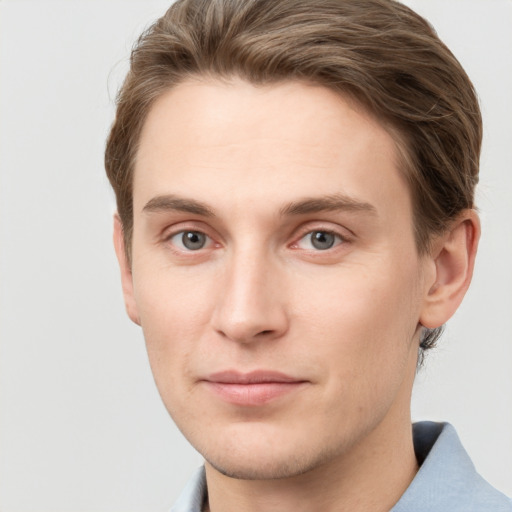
x=190 y=240
x=319 y=240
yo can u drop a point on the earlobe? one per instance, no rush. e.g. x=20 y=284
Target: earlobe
x=454 y=259
x=126 y=272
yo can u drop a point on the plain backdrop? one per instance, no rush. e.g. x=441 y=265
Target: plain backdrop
x=81 y=425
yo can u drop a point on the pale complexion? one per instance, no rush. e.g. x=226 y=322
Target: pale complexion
x=273 y=232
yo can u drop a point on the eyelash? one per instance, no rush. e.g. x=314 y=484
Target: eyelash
x=182 y=233
x=337 y=240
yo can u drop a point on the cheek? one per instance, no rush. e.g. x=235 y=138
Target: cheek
x=368 y=299
x=175 y=300
x=365 y=351
x=174 y=308
x=363 y=321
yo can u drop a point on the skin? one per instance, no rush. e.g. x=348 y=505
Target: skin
x=255 y=171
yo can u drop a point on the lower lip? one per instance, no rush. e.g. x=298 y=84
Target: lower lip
x=252 y=394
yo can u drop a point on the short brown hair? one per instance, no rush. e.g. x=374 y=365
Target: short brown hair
x=379 y=52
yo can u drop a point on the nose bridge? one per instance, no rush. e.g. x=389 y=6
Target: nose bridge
x=251 y=306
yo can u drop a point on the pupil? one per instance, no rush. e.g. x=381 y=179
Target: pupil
x=322 y=240
x=193 y=240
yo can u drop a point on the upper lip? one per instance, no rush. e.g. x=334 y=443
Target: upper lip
x=254 y=377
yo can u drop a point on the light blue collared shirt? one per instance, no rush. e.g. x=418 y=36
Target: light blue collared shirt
x=446 y=481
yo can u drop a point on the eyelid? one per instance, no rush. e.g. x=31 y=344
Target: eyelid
x=182 y=247
x=338 y=240
x=189 y=226
x=345 y=234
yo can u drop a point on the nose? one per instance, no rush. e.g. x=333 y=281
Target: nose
x=251 y=305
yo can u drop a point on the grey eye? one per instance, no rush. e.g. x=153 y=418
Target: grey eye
x=193 y=240
x=322 y=240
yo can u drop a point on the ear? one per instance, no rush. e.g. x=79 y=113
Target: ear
x=454 y=259
x=126 y=271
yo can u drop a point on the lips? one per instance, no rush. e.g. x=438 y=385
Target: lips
x=251 y=389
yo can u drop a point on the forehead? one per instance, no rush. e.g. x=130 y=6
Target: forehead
x=238 y=144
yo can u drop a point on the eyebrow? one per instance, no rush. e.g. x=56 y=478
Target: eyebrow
x=335 y=202
x=175 y=203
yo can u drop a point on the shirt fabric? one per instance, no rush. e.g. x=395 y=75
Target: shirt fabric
x=446 y=481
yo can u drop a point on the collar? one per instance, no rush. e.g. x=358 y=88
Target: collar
x=447 y=479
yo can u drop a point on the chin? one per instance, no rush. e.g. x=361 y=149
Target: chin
x=268 y=459
x=255 y=469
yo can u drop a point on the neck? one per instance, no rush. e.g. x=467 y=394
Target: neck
x=371 y=476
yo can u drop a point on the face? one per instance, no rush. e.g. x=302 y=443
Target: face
x=274 y=274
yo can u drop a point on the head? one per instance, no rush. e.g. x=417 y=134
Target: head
x=241 y=121
x=377 y=52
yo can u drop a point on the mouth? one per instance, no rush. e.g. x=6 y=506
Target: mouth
x=253 y=388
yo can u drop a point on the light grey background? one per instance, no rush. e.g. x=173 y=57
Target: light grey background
x=81 y=424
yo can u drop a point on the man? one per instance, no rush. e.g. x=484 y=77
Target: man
x=295 y=189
